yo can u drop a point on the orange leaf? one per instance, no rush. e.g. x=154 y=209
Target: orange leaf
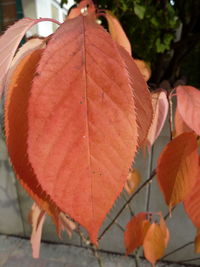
x=37 y=217
x=82 y=125
x=165 y=230
x=135 y=232
x=133 y=181
x=154 y=243
x=144 y=68
x=143 y=105
x=188 y=104
x=160 y=108
x=180 y=125
x=16 y=129
x=192 y=202
x=117 y=31
x=177 y=168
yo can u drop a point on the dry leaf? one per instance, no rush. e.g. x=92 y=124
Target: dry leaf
x=133 y=181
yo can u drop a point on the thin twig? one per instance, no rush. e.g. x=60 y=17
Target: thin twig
x=129 y=206
x=177 y=249
x=127 y=202
x=116 y=223
x=169 y=213
x=150 y=164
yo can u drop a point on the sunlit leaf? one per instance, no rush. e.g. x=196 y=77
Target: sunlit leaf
x=133 y=180
x=177 y=168
x=180 y=125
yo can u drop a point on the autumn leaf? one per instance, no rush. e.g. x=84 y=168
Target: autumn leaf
x=16 y=129
x=188 y=104
x=67 y=224
x=117 y=31
x=135 y=232
x=36 y=217
x=82 y=134
x=10 y=41
x=180 y=125
x=133 y=181
x=144 y=68
x=154 y=243
x=177 y=168
x=160 y=108
x=143 y=105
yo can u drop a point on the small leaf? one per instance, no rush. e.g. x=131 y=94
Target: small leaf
x=160 y=108
x=10 y=41
x=188 y=105
x=117 y=32
x=133 y=181
x=180 y=125
x=139 y=10
x=135 y=232
x=37 y=217
x=177 y=168
x=154 y=243
x=144 y=68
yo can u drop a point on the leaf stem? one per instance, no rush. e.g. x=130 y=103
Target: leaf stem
x=126 y=204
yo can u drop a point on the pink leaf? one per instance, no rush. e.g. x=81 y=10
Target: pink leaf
x=180 y=125
x=189 y=106
x=117 y=32
x=160 y=108
x=37 y=217
x=10 y=41
x=67 y=224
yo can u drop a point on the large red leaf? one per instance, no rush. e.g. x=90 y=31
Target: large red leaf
x=177 y=168
x=16 y=129
x=135 y=232
x=189 y=106
x=143 y=105
x=10 y=41
x=82 y=125
x=160 y=108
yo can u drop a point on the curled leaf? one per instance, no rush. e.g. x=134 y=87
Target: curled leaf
x=117 y=32
x=160 y=109
x=67 y=224
x=37 y=217
x=177 y=168
x=133 y=181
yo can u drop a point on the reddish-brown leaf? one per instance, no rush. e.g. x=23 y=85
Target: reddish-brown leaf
x=133 y=181
x=82 y=125
x=135 y=232
x=180 y=125
x=117 y=31
x=16 y=129
x=10 y=41
x=154 y=243
x=37 y=217
x=188 y=105
x=160 y=108
x=142 y=96
x=177 y=168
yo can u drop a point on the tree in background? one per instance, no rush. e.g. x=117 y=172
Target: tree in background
x=164 y=33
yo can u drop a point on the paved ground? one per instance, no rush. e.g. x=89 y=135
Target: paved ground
x=16 y=252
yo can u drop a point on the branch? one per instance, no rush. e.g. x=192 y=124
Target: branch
x=177 y=249
x=127 y=202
